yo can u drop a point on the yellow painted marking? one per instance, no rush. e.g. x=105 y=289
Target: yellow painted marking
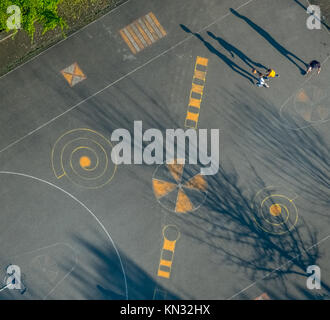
x=163 y=274
x=264 y=296
x=190 y=125
x=192 y=116
x=166 y=263
x=307 y=115
x=197 y=88
x=85 y=162
x=150 y=28
x=195 y=103
x=68 y=77
x=183 y=203
x=162 y=188
x=77 y=71
x=202 y=61
x=57 y=156
x=135 y=37
x=275 y=210
x=197 y=182
x=144 y=35
x=201 y=75
x=176 y=171
x=159 y=26
x=302 y=96
x=128 y=42
x=169 y=245
x=73 y=74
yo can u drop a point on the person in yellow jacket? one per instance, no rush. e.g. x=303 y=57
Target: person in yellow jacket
x=271 y=74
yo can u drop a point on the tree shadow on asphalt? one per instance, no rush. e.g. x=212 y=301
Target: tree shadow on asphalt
x=226 y=223
x=233 y=50
x=103 y=279
x=235 y=67
x=298 y=156
x=286 y=53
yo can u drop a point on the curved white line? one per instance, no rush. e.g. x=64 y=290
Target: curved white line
x=84 y=206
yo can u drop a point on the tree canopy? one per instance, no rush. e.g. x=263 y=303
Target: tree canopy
x=32 y=12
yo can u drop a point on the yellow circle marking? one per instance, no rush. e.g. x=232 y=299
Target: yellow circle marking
x=63 y=173
x=85 y=162
x=275 y=210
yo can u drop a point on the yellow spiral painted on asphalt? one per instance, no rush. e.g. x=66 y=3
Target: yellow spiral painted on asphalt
x=84 y=157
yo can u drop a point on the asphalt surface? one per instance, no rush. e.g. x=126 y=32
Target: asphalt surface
x=76 y=238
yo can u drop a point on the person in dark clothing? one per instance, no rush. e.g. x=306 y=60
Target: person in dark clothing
x=314 y=65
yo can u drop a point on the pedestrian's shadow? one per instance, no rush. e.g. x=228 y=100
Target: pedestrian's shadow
x=224 y=58
x=233 y=50
x=286 y=53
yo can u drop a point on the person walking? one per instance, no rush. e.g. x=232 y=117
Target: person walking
x=271 y=74
x=314 y=65
x=261 y=82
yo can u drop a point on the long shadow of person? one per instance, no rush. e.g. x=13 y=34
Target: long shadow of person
x=286 y=53
x=233 y=50
x=229 y=62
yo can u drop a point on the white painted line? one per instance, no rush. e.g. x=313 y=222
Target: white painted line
x=277 y=269
x=146 y=30
x=121 y=78
x=159 y=34
x=137 y=48
x=71 y=35
x=139 y=35
x=85 y=207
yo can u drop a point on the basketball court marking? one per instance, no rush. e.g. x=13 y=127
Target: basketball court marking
x=167 y=252
x=142 y=33
x=196 y=93
x=73 y=74
x=86 y=208
x=49 y=247
x=121 y=78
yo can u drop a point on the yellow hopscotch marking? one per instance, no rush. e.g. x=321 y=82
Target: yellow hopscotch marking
x=197 y=89
x=142 y=33
x=167 y=254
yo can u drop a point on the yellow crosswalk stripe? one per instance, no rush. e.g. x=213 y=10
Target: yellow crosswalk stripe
x=142 y=33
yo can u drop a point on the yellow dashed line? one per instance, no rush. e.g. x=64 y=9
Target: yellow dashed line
x=197 y=89
x=201 y=75
x=165 y=264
